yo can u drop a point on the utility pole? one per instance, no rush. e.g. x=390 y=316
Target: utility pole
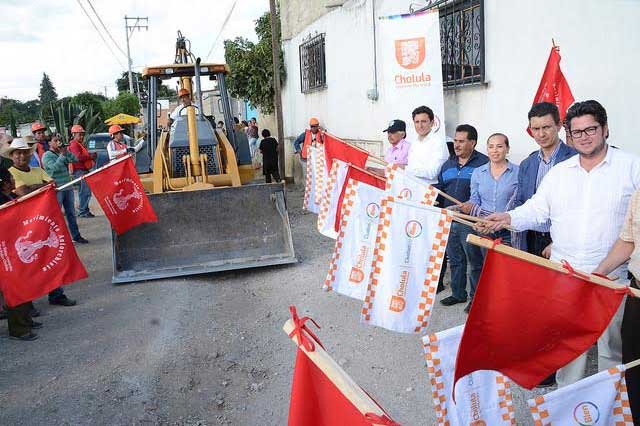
x=136 y=24
x=275 y=53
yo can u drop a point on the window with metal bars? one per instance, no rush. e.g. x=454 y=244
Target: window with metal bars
x=313 y=72
x=462 y=42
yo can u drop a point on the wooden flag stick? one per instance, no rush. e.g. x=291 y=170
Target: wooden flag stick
x=475 y=219
x=345 y=384
x=632 y=364
x=541 y=261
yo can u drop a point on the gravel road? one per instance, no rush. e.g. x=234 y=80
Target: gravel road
x=204 y=350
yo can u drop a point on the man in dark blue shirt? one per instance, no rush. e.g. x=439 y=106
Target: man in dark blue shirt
x=455 y=179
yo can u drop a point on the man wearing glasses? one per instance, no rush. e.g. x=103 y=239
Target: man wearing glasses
x=586 y=199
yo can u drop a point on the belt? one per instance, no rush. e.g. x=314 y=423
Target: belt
x=541 y=234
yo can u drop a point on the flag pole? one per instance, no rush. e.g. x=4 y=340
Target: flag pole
x=106 y=166
x=27 y=196
x=546 y=263
x=475 y=219
x=632 y=364
x=345 y=384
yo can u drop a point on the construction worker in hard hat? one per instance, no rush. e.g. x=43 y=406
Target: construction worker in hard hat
x=118 y=147
x=38 y=130
x=86 y=160
x=302 y=142
x=184 y=98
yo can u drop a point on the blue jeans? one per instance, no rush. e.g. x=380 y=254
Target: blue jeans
x=84 y=194
x=460 y=254
x=66 y=201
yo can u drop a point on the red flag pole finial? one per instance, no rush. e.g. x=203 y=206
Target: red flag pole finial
x=302 y=332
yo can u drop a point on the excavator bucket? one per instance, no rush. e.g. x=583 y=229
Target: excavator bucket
x=206 y=231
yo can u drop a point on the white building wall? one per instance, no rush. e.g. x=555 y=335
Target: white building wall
x=599 y=43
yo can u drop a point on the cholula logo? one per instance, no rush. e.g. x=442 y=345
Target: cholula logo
x=373 y=210
x=413 y=229
x=405 y=193
x=410 y=53
x=586 y=414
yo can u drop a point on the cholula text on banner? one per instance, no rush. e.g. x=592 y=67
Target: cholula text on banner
x=350 y=265
x=407 y=260
x=482 y=398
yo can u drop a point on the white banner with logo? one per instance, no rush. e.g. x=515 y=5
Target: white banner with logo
x=407 y=260
x=409 y=46
x=483 y=398
x=350 y=266
x=600 y=399
x=311 y=184
x=402 y=185
x=329 y=203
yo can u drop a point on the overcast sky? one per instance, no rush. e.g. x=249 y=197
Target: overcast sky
x=56 y=37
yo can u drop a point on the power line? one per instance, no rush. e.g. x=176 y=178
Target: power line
x=105 y=28
x=100 y=34
x=224 y=24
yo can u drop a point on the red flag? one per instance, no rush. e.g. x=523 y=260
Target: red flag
x=119 y=191
x=553 y=86
x=527 y=320
x=306 y=144
x=360 y=175
x=36 y=252
x=337 y=149
x=320 y=387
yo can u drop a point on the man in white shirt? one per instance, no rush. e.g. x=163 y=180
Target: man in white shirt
x=428 y=152
x=586 y=198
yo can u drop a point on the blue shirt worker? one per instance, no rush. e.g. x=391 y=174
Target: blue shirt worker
x=455 y=179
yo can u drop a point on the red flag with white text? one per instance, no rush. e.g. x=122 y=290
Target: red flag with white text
x=121 y=195
x=36 y=251
x=554 y=87
x=527 y=320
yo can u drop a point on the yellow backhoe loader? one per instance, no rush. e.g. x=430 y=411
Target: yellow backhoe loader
x=211 y=217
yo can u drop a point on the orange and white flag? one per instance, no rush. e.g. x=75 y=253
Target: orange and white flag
x=311 y=184
x=350 y=265
x=407 y=260
x=600 y=399
x=320 y=173
x=329 y=203
x=482 y=398
x=402 y=185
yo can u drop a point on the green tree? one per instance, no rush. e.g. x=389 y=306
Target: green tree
x=48 y=93
x=125 y=103
x=251 y=66
x=86 y=99
x=163 y=91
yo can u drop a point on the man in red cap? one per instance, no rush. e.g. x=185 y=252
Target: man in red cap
x=300 y=145
x=85 y=162
x=42 y=145
x=118 y=147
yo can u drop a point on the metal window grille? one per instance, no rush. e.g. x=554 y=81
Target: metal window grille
x=313 y=72
x=462 y=42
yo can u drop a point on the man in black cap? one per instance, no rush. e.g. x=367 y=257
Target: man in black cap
x=398 y=152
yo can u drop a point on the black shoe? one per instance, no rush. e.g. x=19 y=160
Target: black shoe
x=81 y=240
x=86 y=215
x=36 y=325
x=34 y=313
x=450 y=301
x=63 y=301
x=548 y=382
x=25 y=338
x=467 y=308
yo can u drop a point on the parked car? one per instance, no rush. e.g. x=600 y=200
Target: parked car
x=97 y=142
